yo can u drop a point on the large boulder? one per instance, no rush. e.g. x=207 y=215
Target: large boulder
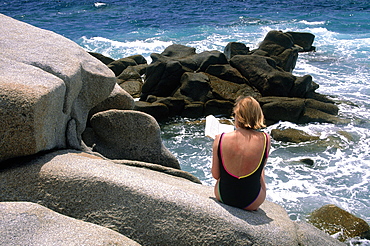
x=235 y=48
x=263 y=73
x=118 y=99
x=162 y=76
x=227 y=72
x=178 y=51
x=158 y=110
x=104 y=59
x=26 y=223
x=280 y=47
x=226 y=90
x=208 y=58
x=48 y=85
x=131 y=135
x=298 y=110
x=303 y=39
x=195 y=87
x=118 y=66
x=152 y=208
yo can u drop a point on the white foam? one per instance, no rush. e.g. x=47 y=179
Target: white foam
x=312 y=23
x=118 y=49
x=98 y=4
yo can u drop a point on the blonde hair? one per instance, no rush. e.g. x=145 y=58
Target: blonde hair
x=248 y=113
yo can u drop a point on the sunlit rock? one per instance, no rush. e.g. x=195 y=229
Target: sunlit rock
x=339 y=223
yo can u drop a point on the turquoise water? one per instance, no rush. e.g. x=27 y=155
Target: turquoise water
x=341 y=66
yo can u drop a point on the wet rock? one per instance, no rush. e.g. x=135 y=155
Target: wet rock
x=339 y=222
x=26 y=223
x=193 y=110
x=303 y=87
x=130 y=135
x=303 y=39
x=293 y=135
x=329 y=108
x=307 y=161
x=235 y=48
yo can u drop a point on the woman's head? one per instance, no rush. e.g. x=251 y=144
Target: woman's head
x=248 y=113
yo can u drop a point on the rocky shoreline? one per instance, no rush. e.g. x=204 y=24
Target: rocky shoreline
x=181 y=82
x=80 y=163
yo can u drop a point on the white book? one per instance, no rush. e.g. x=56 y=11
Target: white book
x=214 y=127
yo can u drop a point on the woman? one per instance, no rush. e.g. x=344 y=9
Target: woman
x=239 y=158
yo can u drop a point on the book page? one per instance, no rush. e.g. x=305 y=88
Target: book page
x=214 y=127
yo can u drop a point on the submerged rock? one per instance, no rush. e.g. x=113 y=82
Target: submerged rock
x=339 y=222
x=292 y=135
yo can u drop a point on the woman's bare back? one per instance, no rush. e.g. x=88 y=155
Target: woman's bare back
x=242 y=151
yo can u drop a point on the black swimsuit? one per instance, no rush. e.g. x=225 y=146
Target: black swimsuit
x=240 y=191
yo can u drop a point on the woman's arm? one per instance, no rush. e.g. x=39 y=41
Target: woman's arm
x=215 y=161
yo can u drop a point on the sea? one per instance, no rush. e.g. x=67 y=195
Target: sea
x=340 y=173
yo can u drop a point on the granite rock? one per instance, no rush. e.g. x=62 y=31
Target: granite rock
x=26 y=223
x=150 y=207
x=48 y=85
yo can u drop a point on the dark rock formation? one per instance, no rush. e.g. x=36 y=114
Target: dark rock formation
x=304 y=40
x=298 y=110
x=104 y=59
x=235 y=48
x=119 y=65
x=197 y=81
x=280 y=47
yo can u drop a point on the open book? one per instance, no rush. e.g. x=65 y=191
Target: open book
x=214 y=127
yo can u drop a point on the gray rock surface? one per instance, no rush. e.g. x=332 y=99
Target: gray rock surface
x=131 y=135
x=118 y=99
x=149 y=207
x=25 y=223
x=48 y=85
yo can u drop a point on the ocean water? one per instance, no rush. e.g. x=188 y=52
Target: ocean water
x=341 y=171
